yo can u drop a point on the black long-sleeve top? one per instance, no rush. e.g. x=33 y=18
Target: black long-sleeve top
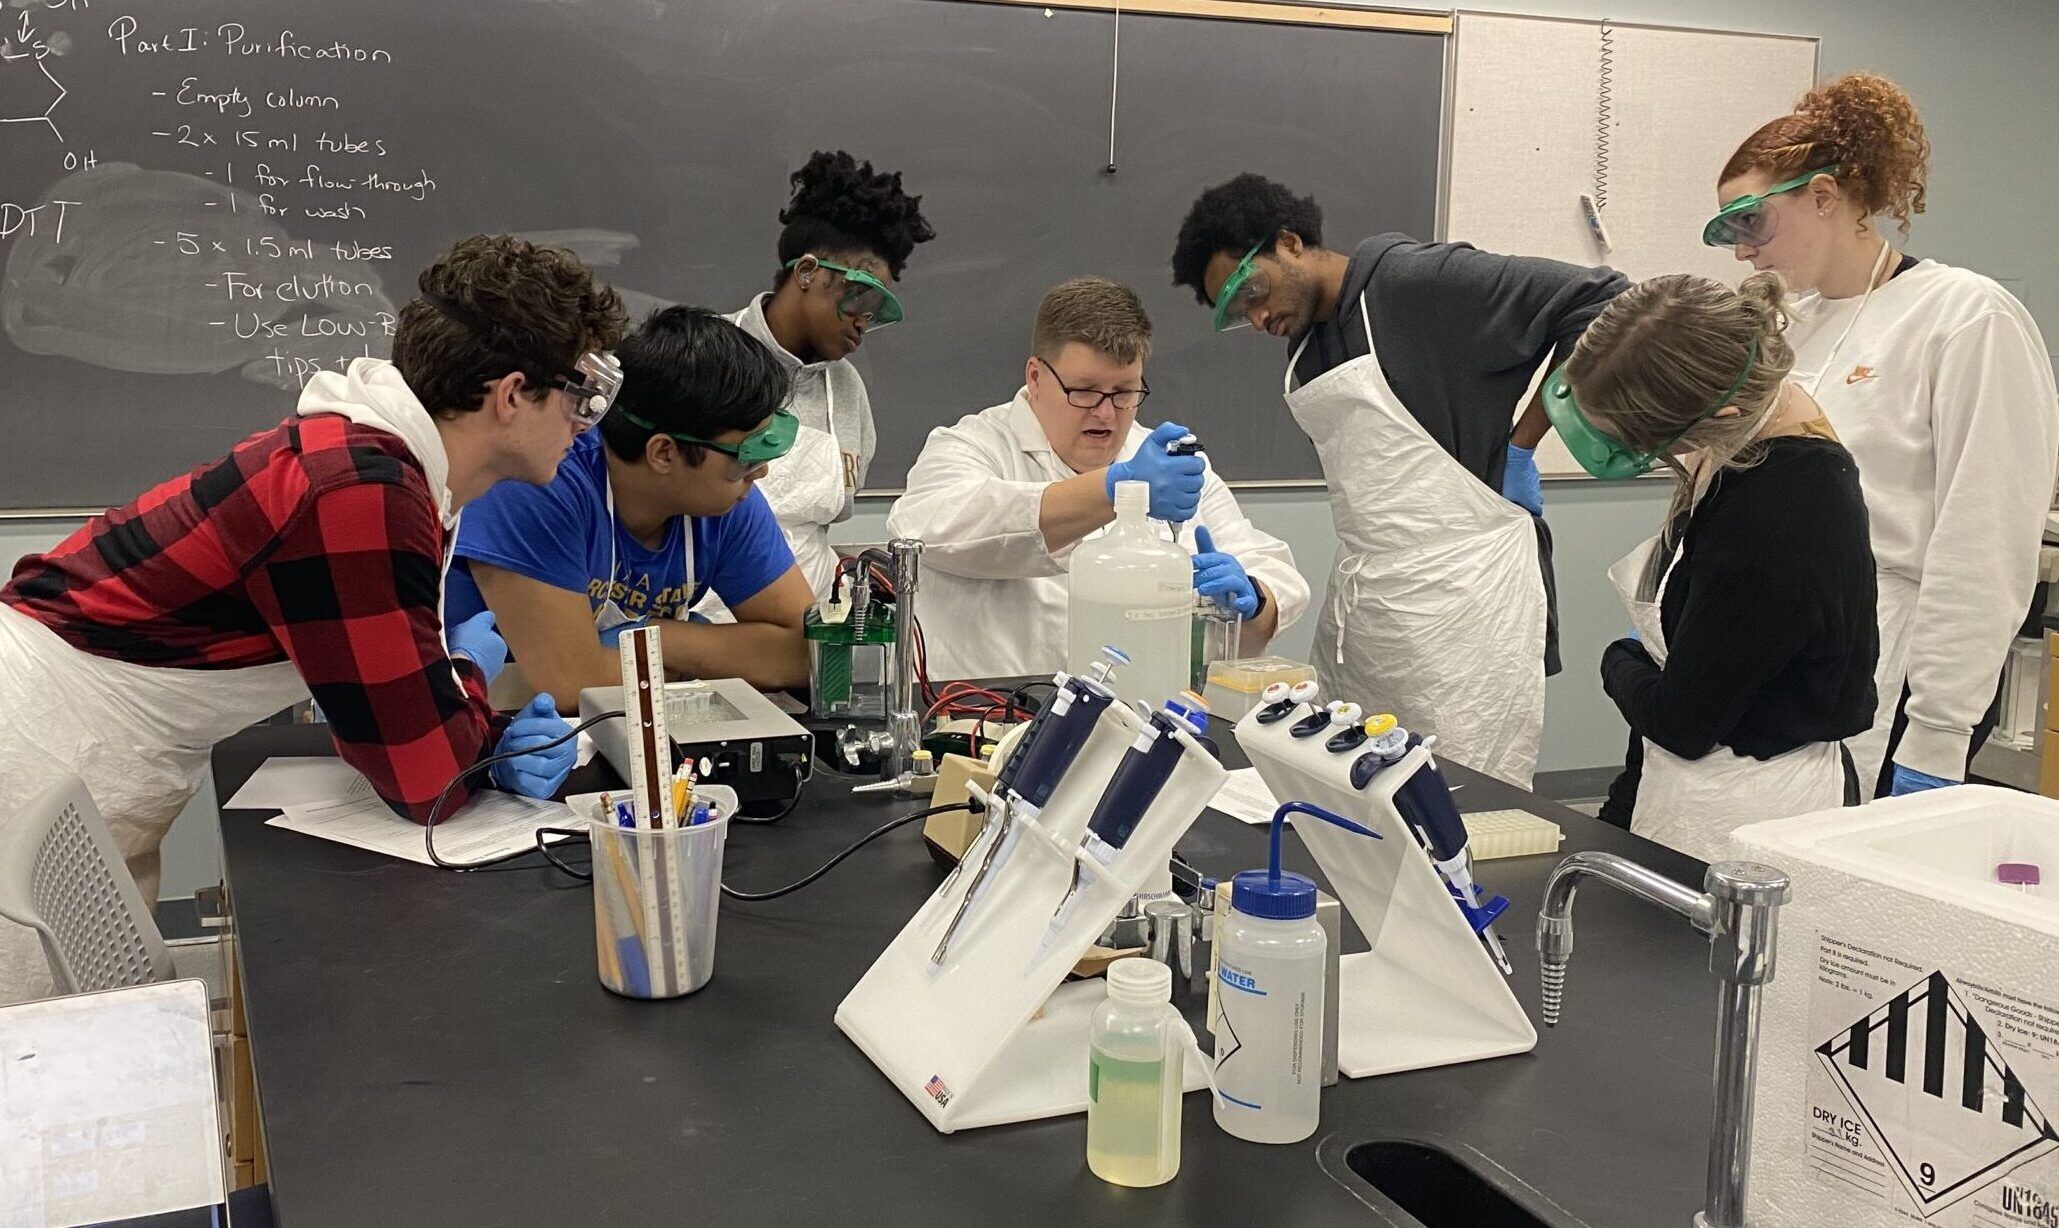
x=1768 y=615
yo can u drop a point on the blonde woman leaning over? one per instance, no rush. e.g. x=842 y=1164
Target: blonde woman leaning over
x=1753 y=608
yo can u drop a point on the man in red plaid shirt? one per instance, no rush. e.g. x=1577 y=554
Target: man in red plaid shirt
x=310 y=561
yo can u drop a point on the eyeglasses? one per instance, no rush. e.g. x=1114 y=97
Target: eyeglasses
x=1246 y=287
x=866 y=298
x=1748 y=220
x=596 y=381
x=1125 y=399
x=766 y=444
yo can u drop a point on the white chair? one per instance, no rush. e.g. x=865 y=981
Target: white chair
x=62 y=876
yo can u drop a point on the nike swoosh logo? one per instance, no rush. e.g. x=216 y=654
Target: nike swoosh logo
x=1859 y=375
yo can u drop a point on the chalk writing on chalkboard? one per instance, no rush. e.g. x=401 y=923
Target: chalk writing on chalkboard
x=206 y=264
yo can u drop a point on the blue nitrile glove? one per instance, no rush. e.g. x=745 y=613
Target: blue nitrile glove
x=1221 y=578
x=1909 y=780
x=536 y=773
x=1175 y=480
x=476 y=640
x=1520 y=483
x=612 y=637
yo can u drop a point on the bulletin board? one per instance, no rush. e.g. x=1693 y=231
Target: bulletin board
x=1541 y=111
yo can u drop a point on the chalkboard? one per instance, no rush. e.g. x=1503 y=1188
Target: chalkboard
x=204 y=201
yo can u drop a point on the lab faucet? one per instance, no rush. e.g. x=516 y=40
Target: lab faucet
x=1740 y=913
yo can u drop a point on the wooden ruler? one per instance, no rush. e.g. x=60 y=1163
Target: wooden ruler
x=650 y=783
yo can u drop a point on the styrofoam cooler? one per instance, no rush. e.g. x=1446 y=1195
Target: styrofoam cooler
x=1909 y=1049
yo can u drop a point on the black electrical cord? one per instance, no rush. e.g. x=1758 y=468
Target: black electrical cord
x=544 y=847
x=800 y=782
x=436 y=811
x=834 y=862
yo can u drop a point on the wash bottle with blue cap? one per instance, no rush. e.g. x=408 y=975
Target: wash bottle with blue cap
x=1269 y=991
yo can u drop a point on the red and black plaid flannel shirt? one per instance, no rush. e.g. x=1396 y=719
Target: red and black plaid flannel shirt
x=318 y=542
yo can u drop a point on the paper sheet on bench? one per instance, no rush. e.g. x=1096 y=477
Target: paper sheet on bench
x=279 y=783
x=1245 y=798
x=493 y=824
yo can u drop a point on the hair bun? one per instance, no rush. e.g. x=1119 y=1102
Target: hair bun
x=1879 y=142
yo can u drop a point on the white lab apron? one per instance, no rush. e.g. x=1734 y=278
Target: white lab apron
x=1436 y=608
x=1694 y=804
x=139 y=736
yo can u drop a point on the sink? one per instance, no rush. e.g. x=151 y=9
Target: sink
x=1427 y=1181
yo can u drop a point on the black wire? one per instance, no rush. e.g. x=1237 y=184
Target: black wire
x=800 y=782
x=834 y=862
x=436 y=811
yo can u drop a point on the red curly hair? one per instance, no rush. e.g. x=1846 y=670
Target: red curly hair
x=1862 y=123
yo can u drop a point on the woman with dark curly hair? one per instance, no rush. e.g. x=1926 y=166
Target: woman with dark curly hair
x=1937 y=380
x=849 y=230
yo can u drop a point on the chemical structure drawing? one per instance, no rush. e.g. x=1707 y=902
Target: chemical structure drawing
x=29 y=91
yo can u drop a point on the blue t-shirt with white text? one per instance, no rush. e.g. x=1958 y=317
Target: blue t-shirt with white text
x=559 y=535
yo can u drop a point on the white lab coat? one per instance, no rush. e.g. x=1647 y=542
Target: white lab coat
x=816 y=484
x=993 y=601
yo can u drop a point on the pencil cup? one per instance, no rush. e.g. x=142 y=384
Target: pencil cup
x=656 y=894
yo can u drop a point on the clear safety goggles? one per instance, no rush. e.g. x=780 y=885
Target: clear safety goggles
x=766 y=444
x=1601 y=454
x=866 y=298
x=595 y=382
x=1245 y=288
x=1749 y=219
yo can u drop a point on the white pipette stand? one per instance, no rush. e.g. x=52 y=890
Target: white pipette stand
x=993 y=1034
x=1427 y=993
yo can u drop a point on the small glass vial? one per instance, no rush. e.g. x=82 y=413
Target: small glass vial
x=1135 y=1073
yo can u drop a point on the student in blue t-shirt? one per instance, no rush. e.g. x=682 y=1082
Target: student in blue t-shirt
x=650 y=510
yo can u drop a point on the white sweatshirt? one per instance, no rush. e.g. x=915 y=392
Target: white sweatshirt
x=994 y=598
x=814 y=486
x=1944 y=393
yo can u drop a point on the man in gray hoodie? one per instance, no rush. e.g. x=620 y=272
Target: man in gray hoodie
x=1454 y=335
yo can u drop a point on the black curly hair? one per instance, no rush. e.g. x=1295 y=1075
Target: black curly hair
x=1248 y=211
x=842 y=205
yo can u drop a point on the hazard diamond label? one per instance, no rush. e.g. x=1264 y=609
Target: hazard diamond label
x=1937 y=1093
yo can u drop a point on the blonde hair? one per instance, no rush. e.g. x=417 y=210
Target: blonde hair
x=1669 y=351
x=1093 y=311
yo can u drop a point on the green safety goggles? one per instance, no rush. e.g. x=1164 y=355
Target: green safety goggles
x=1748 y=220
x=766 y=444
x=1603 y=455
x=866 y=298
x=1246 y=287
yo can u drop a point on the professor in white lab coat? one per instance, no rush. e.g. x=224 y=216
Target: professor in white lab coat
x=1000 y=499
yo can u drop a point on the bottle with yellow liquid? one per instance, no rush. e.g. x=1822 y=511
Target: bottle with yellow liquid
x=1136 y=1060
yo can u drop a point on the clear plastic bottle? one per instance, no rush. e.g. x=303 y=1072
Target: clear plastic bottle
x=1137 y=1054
x=1134 y=589
x=1269 y=993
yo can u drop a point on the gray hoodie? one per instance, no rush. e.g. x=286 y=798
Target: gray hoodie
x=1460 y=333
